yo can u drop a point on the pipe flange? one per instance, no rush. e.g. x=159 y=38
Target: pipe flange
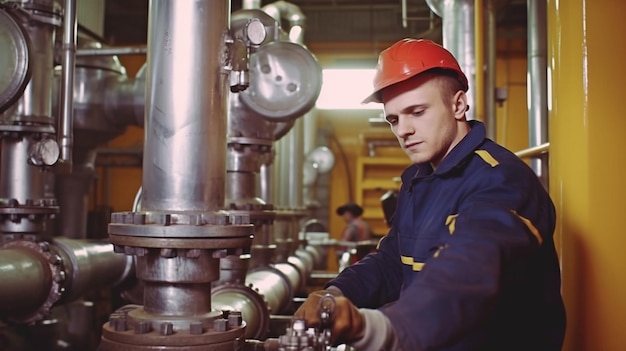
x=131 y=326
x=57 y=272
x=26 y=125
x=200 y=230
x=33 y=210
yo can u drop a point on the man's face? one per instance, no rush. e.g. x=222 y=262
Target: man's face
x=347 y=216
x=427 y=124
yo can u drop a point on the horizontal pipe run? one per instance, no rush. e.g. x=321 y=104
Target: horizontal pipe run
x=26 y=282
x=117 y=51
x=534 y=151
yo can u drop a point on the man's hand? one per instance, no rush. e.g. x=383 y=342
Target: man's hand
x=347 y=323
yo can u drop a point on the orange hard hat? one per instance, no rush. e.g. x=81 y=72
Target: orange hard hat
x=410 y=57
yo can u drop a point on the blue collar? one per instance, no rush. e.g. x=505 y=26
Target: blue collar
x=460 y=152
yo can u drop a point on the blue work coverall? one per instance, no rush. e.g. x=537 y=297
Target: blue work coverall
x=469 y=262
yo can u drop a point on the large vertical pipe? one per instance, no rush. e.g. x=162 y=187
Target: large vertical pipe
x=458 y=37
x=186 y=107
x=20 y=179
x=537 y=83
x=586 y=89
x=290 y=148
x=290 y=155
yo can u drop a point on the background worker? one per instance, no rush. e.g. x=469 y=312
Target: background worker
x=469 y=262
x=356 y=230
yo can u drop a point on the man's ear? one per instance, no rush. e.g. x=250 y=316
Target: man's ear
x=460 y=105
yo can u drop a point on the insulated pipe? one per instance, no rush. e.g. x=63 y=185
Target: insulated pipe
x=67 y=85
x=275 y=284
x=290 y=148
x=186 y=107
x=91 y=265
x=537 y=83
x=26 y=281
x=35 y=276
x=288 y=193
x=458 y=37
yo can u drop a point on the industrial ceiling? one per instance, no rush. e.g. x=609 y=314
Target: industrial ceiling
x=328 y=22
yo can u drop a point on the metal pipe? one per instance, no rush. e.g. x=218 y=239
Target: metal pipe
x=186 y=107
x=404 y=14
x=91 y=265
x=273 y=285
x=37 y=275
x=479 y=59
x=534 y=151
x=116 y=51
x=67 y=86
x=290 y=12
x=22 y=185
x=537 y=82
x=458 y=37
x=291 y=150
x=490 y=70
x=251 y=4
x=26 y=281
x=290 y=147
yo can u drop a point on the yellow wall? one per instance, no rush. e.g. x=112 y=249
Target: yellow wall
x=512 y=114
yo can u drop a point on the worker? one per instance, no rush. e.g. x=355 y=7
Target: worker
x=469 y=262
x=356 y=230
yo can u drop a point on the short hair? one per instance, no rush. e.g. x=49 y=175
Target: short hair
x=448 y=81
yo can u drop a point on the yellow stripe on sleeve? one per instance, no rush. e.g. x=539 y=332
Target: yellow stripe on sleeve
x=416 y=266
x=530 y=226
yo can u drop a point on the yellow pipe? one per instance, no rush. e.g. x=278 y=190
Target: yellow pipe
x=586 y=70
x=534 y=151
x=479 y=52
